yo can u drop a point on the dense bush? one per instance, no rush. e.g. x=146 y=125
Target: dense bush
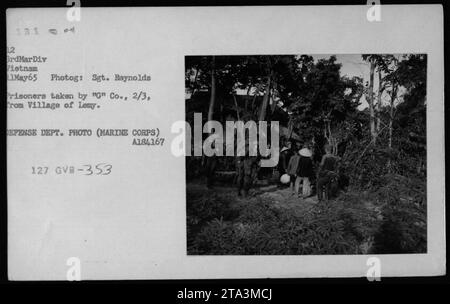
x=368 y=164
x=202 y=207
x=404 y=216
x=263 y=228
x=388 y=219
x=365 y=164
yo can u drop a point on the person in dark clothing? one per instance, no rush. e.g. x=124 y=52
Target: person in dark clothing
x=292 y=171
x=265 y=173
x=285 y=156
x=305 y=170
x=210 y=164
x=327 y=175
x=246 y=169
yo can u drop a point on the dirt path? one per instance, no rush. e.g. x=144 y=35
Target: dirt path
x=282 y=198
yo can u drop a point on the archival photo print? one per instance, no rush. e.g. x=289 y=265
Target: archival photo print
x=315 y=154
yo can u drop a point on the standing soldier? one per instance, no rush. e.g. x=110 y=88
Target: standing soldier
x=327 y=174
x=246 y=169
x=210 y=164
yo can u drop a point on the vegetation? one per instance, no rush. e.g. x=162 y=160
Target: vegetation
x=382 y=150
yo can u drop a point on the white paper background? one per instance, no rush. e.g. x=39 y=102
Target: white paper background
x=131 y=224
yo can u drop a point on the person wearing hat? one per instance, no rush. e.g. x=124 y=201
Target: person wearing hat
x=305 y=170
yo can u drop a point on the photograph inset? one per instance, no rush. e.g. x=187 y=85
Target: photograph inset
x=346 y=135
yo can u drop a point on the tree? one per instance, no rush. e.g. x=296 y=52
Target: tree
x=323 y=102
x=371 y=101
x=381 y=89
x=372 y=59
x=212 y=100
x=410 y=123
x=389 y=65
x=265 y=102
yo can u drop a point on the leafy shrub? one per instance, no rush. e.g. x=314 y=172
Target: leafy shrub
x=263 y=228
x=393 y=218
x=204 y=207
x=366 y=164
x=404 y=216
x=359 y=214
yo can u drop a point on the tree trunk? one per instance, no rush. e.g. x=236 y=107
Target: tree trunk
x=370 y=100
x=331 y=139
x=391 y=119
x=246 y=99
x=265 y=102
x=237 y=107
x=274 y=104
x=380 y=93
x=212 y=99
x=290 y=127
x=253 y=104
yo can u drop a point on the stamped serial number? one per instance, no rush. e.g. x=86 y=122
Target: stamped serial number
x=85 y=169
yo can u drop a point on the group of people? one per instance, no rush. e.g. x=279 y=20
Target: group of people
x=299 y=166
x=300 y=170
x=296 y=163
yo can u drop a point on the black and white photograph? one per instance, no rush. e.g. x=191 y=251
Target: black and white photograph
x=173 y=143
x=351 y=171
